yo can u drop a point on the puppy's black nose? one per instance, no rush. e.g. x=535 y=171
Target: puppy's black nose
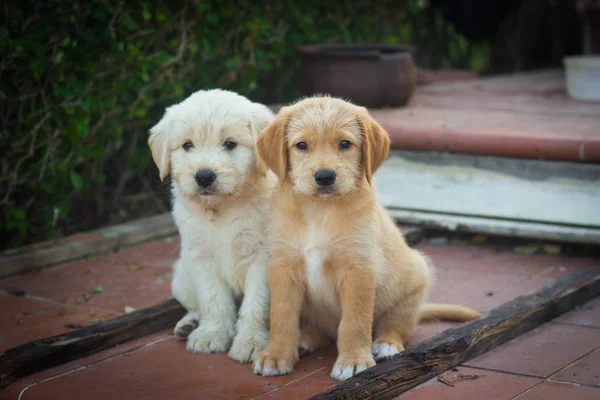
x=325 y=177
x=205 y=177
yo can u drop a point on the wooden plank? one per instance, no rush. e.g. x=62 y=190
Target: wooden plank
x=553 y=192
x=49 y=352
x=457 y=345
x=490 y=226
x=85 y=244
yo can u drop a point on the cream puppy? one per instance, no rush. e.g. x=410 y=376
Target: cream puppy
x=220 y=193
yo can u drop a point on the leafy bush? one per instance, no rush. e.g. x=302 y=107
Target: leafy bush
x=82 y=81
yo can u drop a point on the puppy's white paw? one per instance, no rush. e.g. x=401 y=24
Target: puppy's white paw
x=347 y=366
x=382 y=351
x=270 y=363
x=247 y=344
x=185 y=326
x=203 y=340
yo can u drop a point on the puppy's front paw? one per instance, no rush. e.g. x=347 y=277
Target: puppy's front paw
x=347 y=365
x=185 y=326
x=246 y=345
x=382 y=351
x=272 y=363
x=203 y=340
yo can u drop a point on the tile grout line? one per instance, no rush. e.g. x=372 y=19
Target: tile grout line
x=549 y=377
x=502 y=371
x=590 y=385
x=522 y=393
x=287 y=383
x=577 y=325
x=33 y=296
x=57 y=302
x=89 y=365
x=572 y=363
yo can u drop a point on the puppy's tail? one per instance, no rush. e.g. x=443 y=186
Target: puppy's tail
x=447 y=312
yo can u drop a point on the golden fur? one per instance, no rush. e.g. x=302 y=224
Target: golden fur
x=339 y=265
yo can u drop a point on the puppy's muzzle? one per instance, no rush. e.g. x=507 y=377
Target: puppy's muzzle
x=325 y=177
x=205 y=177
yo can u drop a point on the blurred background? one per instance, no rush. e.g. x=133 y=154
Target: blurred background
x=81 y=82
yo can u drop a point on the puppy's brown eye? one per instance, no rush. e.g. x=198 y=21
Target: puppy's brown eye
x=344 y=144
x=230 y=145
x=187 y=146
x=301 y=146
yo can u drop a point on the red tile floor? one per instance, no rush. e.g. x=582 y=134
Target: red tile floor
x=560 y=359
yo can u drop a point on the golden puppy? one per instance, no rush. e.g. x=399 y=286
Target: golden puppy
x=339 y=265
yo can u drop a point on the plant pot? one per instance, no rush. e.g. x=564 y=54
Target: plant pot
x=368 y=75
x=583 y=77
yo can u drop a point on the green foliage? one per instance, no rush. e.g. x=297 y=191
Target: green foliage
x=82 y=81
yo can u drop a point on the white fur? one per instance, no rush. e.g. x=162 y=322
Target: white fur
x=342 y=372
x=315 y=255
x=382 y=351
x=224 y=253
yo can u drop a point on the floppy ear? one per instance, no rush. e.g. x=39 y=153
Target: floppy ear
x=160 y=147
x=261 y=116
x=271 y=145
x=376 y=144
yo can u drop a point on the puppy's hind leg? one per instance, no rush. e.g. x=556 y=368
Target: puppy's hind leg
x=183 y=291
x=186 y=325
x=395 y=327
x=312 y=338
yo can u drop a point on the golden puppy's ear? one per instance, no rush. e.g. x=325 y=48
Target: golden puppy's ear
x=376 y=144
x=160 y=147
x=271 y=145
x=261 y=116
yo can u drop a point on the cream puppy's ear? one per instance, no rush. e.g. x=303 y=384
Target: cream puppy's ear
x=271 y=144
x=159 y=145
x=260 y=117
x=375 y=146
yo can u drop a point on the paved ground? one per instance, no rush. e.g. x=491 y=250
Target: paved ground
x=560 y=359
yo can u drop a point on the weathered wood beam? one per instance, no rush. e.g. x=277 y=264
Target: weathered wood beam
x=49 y=352
x=454 y=346
x=81 y=245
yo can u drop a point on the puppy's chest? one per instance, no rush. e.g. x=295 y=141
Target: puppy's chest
x=316 y=250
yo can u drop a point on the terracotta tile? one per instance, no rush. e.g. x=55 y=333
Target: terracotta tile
x=424 y=139
x=560 y=391
x=305 y=387
x=14 y=307
x=586 y=315
x=485 y=277
x=487 y=385
x=540 y=83
x=515 y=103
x=49 y=321
x=491 y=132
x=167 y=370
x=72 y=281
x=13 y=390
x=542 y=351
x=590 y=150
x=428 y=330
x=157 y=253
x=586 y=370
x=156 y=289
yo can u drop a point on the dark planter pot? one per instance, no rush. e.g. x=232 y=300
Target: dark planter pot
x=368 y=75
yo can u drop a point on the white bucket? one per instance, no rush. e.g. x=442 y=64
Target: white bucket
x=583 y=77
